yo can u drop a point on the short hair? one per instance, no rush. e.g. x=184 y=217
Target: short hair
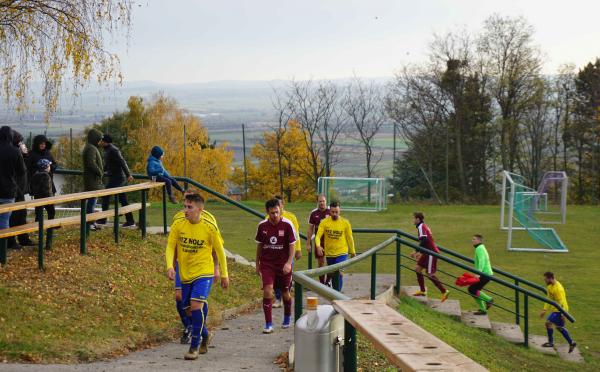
x=334 y=204
x=278 y=197
x=549 y=275
x=271 y=203
x=191 y=190
x=478 y=236
x=323 y=195
x=194 y=198
x=419 y=215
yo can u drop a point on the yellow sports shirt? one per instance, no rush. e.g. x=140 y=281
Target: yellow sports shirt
x=556 y=293
x=338 y=236
x=193 y=244
x=206 y=217
x=292 y=217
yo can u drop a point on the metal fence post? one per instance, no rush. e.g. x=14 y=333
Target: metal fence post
x=116 y=219
x=517 y=305
x=397 y=287
x=310 y=257
x=350 y=364
x=39 y=215
x=373 y=276
x=3 y=244
x=335 y=280
x=526 y=325
x=297 y=301
x=83 y=227
x=142 y=218
x=164 y=208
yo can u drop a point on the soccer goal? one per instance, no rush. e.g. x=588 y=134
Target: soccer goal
x=355 y=194
x=526 y=209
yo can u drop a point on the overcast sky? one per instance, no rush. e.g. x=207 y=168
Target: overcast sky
x=185 y=41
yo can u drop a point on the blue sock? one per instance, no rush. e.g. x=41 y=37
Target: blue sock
x=205 y=313
x=278 y=294
x=185 y=320
x=566 y=335
x=197 y=323
x=341 y=282
x=550 y=335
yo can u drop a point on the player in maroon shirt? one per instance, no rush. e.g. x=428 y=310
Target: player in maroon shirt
x=424 y=261
x=275 y=238
x=317 y=214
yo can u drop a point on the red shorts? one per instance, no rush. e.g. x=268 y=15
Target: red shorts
x=428 y=262
x=275 y=277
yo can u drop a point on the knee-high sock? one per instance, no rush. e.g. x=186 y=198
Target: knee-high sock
x=205 y=313
x=421 y=281
x=287 y=307
x=437 y=283
x=197 y=324
x=550 y=332
x=341 y=281
x=268 y=309
x=484 y=296
x=278 y=294
x=481 y=304
x=565 y=334
x=185 y=320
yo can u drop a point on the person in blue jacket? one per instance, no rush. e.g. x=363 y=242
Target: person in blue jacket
x=155 y=168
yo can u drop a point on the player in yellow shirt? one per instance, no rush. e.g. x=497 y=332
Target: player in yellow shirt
x=338 y=239
x=556 y=293
x=193 y=241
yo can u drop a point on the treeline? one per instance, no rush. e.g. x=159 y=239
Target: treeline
x=480 y=104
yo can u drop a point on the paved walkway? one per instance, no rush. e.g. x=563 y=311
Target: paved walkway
x=238 y=344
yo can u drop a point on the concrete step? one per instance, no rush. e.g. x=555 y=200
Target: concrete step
x=410 y=290
x=510 y=332
x=536 y=342
x=563 y=353
x=448 y=307
x=476 y=321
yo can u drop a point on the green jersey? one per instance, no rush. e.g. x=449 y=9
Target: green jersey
x=482 y=260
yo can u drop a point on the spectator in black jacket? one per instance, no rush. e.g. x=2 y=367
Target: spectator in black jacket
x=117 y=172
x=19 y=217
x=41 y=187
x=40 y=149
x=12 y=167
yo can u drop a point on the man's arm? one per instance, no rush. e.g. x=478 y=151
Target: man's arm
x=350 y=240
x=287 y=268
x=309 y=235
x=170 y=251
x=123 y=164
x=320 y=231
x=220 y=252
x=217 y=273
x=257 y=260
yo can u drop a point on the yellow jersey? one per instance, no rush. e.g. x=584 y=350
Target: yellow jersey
x=292 y=217
x=193 y=244
x=206 y=217
x=338 y=236
x=556 y=293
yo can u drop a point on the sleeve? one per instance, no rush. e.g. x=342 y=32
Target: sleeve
x=422 y=236
x=292 y=234
x=350 y=238
x=320 y=232
x=257 y=237
x=122 y=163
x=298 y=246
x=90 y=163
x=220 y=251
x=310 y=219
x=550 y=295
x=561 y=297
x=171 y=245
x=479 y=259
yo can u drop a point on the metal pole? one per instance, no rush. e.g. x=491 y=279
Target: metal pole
x=116 y=220
x=397 y=287
x=83 y=228
x=350 y=364
x=310 y=259
x=164 y=208
x=71 y=147
x=373 y=276
x=245 y=168
x=297 y=301
x=3 y=243
x=143 y=215
x=394 y=154
x=335 y=281
x=39 y=214
x=517 y=305
x=526 y=325
x=185 y=185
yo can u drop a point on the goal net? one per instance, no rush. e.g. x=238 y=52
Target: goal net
x=355 y=194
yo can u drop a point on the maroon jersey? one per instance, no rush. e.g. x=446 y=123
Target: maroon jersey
x=425 y=232
x=276 y=240
x=315 y=219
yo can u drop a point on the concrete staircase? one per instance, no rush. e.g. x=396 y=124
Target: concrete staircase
x=508 y=331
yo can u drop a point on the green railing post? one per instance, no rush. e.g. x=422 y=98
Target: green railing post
x=350 y=364
x=297 y=301
x=3 y=244
x=116 y=219
x=526 y=325
x=164 y=209
x=398 y=263
x=142 y=218
x=39 y=214
x=310 y=258
x=83 y=227
x=373 y=276
x=517 y=305
x=335 y=280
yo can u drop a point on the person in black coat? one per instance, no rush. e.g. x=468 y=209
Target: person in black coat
x=40 y=149
x=12 y=167
x=41 y=187
x=19 y=217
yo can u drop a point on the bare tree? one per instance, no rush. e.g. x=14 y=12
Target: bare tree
x=332 y=124
x=283 y=113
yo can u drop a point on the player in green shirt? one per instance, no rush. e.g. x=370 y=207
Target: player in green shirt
x=482 y=263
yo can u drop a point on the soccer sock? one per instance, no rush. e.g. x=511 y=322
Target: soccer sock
x=197 y=324
x=205 y=313
x=565 y=334
x=322 y=279
x=550 y=332
x=484 y=296
x=287 y=306
x=341 y=280
x=481 y=304
x=421 y=281
x=278 y=294
x=437 y=283
x=268 y=309
x=185 y=320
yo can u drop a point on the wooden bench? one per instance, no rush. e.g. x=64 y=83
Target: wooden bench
x=405 y=344
x=42 y=224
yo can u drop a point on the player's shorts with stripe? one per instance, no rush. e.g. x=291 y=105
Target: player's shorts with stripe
x=198 y=290
x=177 y=278
x=556 y=319
x=428 y=262
x=271 y=275
x=336 y=259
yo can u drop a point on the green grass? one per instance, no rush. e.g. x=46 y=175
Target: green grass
x=115 y=299
x=452 y=227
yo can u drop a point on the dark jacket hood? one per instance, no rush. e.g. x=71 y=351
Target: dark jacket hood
x=157 y=152
x=17 y=138
x=6 y=134
x=39 y=139
x=94 y=136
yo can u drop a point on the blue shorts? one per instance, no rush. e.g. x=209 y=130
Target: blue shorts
x=337 y=259
x=556 y=319
x=198 y=290
x=177 y=279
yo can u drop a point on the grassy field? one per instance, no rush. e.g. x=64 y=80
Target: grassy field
x=113 y=300
x=453 y=226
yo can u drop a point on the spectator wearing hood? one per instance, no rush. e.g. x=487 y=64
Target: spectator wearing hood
x=12 y=167
x=118 y=174
x=40 y=149
x=155 y=168
x=19 y=217
x=41 y=187
x=93 y=169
